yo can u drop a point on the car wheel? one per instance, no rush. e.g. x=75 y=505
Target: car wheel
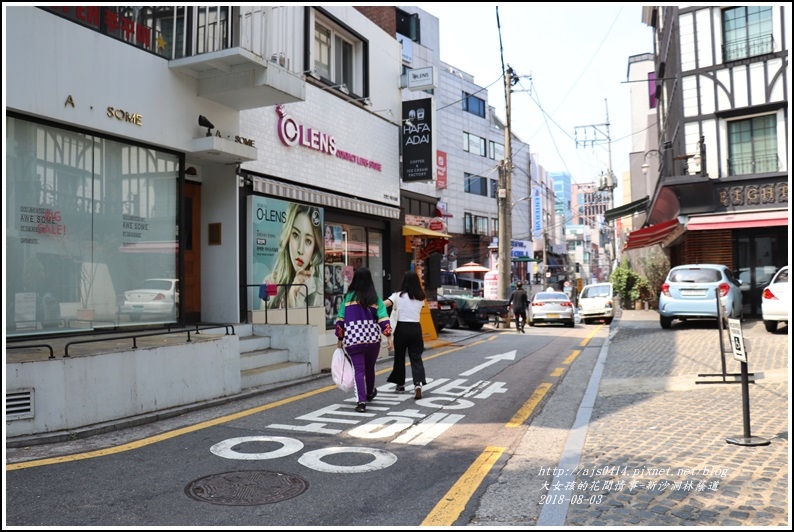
x=770 y=326
x=531 y=323
x=666 y=323
x=608 y=321
x=586 y=321
x=571 y=324
x=474 y=325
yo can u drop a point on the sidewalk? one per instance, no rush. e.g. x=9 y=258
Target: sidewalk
x=648 y=444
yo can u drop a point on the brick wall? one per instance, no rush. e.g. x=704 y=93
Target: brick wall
x=383 y=16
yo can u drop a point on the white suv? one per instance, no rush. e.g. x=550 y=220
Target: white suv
x=597 y=302
x=776 y=300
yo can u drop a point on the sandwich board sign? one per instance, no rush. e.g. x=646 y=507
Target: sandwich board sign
x=737 y=340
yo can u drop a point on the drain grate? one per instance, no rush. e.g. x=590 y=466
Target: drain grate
x=246 y=488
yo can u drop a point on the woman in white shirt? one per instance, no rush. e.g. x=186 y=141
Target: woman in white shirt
x=408 y=334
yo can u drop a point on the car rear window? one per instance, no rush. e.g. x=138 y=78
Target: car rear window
x=782 y=277
x=596 y=291
x=152 y=284
x=552 y=296
x=695 y=275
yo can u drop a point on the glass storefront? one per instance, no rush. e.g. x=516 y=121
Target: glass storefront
x=87 y=219
x=348 y=247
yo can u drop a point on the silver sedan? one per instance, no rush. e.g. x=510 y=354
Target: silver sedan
x=551 y=307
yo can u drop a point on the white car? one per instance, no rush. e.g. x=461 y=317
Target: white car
x=597 y=302
x=154 y=297
x=776 y=300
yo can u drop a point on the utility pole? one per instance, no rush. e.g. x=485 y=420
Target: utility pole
x=606 y=182
x=505 y=178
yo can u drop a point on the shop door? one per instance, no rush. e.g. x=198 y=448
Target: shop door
x=191 y=291
x=759 y=257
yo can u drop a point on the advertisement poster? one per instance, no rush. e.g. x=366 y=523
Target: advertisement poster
x=286 y=250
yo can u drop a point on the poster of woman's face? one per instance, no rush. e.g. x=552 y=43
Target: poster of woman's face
x=330 y=313
x=339 y=279
x=329 y=279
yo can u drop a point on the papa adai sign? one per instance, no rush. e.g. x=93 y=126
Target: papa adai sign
x=417 y=140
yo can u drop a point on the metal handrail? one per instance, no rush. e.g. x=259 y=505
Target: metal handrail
x=47 y=346
x=286 y=307
x=134 y=337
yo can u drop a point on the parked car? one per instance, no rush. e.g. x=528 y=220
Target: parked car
x=154 y=297
x=690 y=292
x=445 y=316
x=597 y=302
x=776 y=301
x=551 y=307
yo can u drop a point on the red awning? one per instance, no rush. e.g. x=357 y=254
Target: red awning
x=738 y=220
x=648 y=236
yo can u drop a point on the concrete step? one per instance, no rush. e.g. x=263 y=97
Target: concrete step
x=262 y=358
x=254 y=343
x=280 y=372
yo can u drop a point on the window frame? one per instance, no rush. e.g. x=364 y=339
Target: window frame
x=749 y=38
x=472 y=104
x=759 y=150
x=351 y=71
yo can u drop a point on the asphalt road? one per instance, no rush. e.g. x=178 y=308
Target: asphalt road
x=301 y=456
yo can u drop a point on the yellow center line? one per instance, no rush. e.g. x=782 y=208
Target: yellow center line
x=527 y=408
x=454 y=501
x=570 y=358
x=557 y=372
x=587 y=338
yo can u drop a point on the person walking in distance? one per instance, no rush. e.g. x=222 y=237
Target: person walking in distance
x=361 y=320
x=518 y=304
x=408 y=303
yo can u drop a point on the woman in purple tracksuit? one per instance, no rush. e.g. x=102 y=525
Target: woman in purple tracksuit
x=361 y=320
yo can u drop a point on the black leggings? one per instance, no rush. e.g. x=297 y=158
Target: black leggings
x=408 y=337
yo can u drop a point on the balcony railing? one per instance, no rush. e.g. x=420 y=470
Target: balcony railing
x=744 y=48
x=753 y=165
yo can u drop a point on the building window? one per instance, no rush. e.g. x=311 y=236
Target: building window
x=494 y=188
x=473 y=144
x=481 y=225
x=475 y=184
x=748 y=32
x=338 y=55
x=473 y=105
x=408 y=25
x=494 y=226
x=496 y=151
x=753 y=146
x=467 y=223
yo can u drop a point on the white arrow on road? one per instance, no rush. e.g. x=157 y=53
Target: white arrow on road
x=511 y=355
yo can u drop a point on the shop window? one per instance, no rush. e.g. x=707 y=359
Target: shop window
x=85 y=224
x=748 y=32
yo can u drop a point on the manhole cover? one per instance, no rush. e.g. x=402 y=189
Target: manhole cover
x=246 y=488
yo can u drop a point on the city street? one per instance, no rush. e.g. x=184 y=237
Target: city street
x=594 y=426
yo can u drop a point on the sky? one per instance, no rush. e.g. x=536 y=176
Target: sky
x=572 y=60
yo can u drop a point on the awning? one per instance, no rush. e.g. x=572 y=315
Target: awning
x=525 y=258
x=415 y=230
x=648 y=236
x=635 y=207
x=739 y=220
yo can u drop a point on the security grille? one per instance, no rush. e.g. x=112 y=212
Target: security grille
x=19 y=404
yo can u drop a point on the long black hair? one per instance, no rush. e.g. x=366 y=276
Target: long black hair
x=412 y=286
x=363 y=287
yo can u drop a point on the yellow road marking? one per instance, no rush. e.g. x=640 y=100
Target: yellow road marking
x=570 y=358
x=528 y=407
x=454 y=501
x=557 y=372
x=587 y=338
